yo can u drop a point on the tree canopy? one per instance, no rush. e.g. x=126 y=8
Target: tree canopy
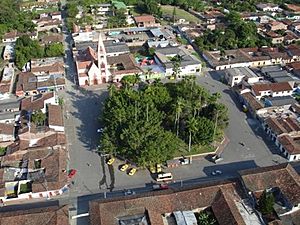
x=13 y=19
x=26 y=49
x=147 y=125
x=238 y=34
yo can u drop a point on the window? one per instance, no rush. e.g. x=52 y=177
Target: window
x=236 y=78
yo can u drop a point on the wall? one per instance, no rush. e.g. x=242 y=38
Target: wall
x=57 y=128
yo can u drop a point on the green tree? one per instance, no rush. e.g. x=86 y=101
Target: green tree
x=192 y=126
x=38 y=117
x=266 y=203
x=205 y=219
x=54 y=50
x=72 y=9
x=176 y=62
x=150 y=6
x=2 y=151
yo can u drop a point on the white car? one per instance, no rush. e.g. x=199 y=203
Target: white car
x=216 y=172
x=129 y=192
x=100 y=130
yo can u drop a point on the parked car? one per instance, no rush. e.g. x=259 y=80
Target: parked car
x=216 y=158
x=100 y=130
x=216 y=172
x=184 y=161
x=158 y=168
x=110 y=161
x=132 y=171
x=152 y=169
x=129 y=192
x=124 y=167
x=72 y=173
x=160 y=187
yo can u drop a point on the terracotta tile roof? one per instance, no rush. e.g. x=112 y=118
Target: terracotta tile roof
x=28 y=82
x=144 y=18
x=282 y=125
x=294 y=50
x=126 y=61
x=56 y=67
x=54 y=215
x=154 y=204
x=55 y=115
x=290 y=143
x=84 y=65
x=275 y=87
x=225 y=209
x=7 y=129
x=294 y=65
x=54 y=38
x=35 y=102
x=282 y=176
x=293 y=7
x=53 y=139
x=252 y=101
x=9 y=35
x=53 y=161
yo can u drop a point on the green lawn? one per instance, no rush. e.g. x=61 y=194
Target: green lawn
x=196 y=149
x=180 y=13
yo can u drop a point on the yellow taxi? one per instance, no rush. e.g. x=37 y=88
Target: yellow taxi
x=152 y=169
x=124 y=167
x=132 y=171
x=158 y=168
x=110 y=161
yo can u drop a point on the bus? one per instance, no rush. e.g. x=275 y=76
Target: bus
x=164 y=177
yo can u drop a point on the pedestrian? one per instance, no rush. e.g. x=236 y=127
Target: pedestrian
x=88 y=164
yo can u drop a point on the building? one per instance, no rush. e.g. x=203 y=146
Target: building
x=55 y=118
x=38 y=102
x=52 y=215
x=7 y=79
x=29 y=84
x=289 y=145
x=9 y=110
x=145 y=21
x=276 y=25
x=285 y=133
x=251 y=57
x=14 y=35
x=7 y=132
x=235 y=76
x=189 y=63
x=272 y=89
x=9 y=52
x=223 y=200
x=274 y=37
x=283 y=182
x=122 y=65
x=48 y=66
x=213 y=16
x=268 y=7
x=37 y=173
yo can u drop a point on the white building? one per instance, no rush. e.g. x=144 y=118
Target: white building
x=268 y=7
x=235 y=76
x=189 y=64
x=272 y=89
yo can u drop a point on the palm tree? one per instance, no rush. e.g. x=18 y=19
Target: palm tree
x=192 y=125
x=178 y=109
x=176 y=61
